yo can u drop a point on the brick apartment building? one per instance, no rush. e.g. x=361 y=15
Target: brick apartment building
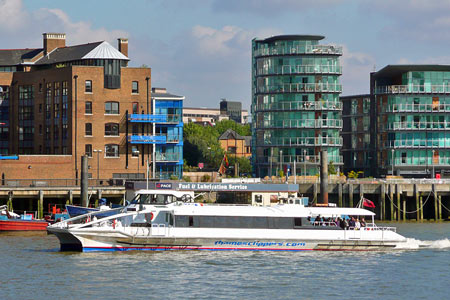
x=60 y=102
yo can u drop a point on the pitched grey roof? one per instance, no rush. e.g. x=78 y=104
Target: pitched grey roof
x=230 y=134
x=248 y=141
x=67 y=54
x=13 y=57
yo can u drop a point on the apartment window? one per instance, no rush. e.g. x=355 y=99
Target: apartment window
x=88 y=108
x=88 y=129
x=135 y=107
x=134 y=151
x=111 y=150
x=111 y=108
x=135 y=87
x=88 y=150
x=111 y=129
x=88 y=86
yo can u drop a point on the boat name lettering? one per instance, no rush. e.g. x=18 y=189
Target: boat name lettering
x=259 y=244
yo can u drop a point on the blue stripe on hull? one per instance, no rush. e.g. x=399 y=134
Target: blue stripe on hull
x=92 y=249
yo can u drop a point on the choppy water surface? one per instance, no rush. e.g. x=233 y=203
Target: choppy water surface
x=32 y=268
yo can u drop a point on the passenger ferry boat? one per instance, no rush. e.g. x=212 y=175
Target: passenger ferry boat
x=170 y=220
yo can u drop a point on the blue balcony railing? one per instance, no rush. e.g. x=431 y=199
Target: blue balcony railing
x=147 y=139
x=138 y=118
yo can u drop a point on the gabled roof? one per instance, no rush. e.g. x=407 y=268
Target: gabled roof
x=97 y=50
x=230 y=134
x=14 y=57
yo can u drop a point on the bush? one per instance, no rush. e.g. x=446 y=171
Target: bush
x=205 y=178
x=187 y=178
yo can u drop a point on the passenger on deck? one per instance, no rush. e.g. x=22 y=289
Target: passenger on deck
x=338 y=222
x=357 y=224
x=344 y=224
x=363 y=222
x=351 y=223
x=318 y=221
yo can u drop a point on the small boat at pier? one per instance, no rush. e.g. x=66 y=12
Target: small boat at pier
x=10 y=221
x=169 y=220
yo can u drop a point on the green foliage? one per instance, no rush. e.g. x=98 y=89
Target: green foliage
x=173 y=177
x=353 y=174
x=332 y=168
x=281 y=173
x=187 y=178
x=205 y=178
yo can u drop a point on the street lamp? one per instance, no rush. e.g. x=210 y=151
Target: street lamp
x=281 y=161
x=392 y=151
x=98 y=162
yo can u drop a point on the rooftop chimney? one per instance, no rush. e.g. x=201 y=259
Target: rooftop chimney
x=53 y=41
x=123 y=46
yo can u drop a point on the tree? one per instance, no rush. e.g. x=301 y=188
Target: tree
x=332 y=168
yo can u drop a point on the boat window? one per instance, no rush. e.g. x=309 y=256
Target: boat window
x=156 y=199
x=191 y=221
x=297 y=222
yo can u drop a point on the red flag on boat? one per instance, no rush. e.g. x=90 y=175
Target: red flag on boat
x=368 y=203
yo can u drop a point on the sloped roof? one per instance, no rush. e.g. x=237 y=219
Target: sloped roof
x=105 y=51
x=13 y=57
x=97 y=50
x=248 y=140
x=230 y=134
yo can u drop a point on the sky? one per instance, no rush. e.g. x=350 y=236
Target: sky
x=201 y=49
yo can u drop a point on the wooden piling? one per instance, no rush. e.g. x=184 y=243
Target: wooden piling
x=440 y=207
x=315 y=192
x=71 y=197
x=397 y=192
x=391 y=197
x=416 y=196
x=382 y=202
x=421 y=207
x=350 y=194
x=404 y=209
x=361 y=191
x=340 y=188
x=41 y=205
x=433 y=188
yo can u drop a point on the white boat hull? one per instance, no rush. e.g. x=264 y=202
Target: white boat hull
x=108 y=239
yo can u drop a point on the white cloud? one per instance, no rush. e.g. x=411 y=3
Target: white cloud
x=356 y=68
x=12 y=15
x=23 y=28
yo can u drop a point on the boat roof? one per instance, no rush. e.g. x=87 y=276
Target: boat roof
x=175 y=193
x=334 y=211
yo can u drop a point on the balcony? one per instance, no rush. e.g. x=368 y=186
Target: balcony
x=300 y=69
x=308 y=123
x=300 y=105
x=143 y=118
x=299 y=159
x=147 y=139
x=303 y=141
x=168 y=157
x=417 y=108
x=418 y=143
x=316 y=49
x=170 y=138
x=413 y=89
x=301 y=88
x=419 y=126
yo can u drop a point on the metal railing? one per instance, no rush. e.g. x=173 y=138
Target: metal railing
x=303 y=123
x=146 y=118
x=300 y=159
x=413 y=89
x=418 y=143
x=299 y=69
x=418 y=126
x=420 y=161
x=168 y=156
x=304 y=141
x=316 y=49
x=299 y=105
x=300 y=87
x=417 y=108
x=44 y=183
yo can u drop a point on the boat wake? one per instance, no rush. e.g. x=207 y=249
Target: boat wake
x=418 y=244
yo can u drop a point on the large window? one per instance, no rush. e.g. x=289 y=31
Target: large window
x=88 y=108
x=135 y=87
x=112 y=150
x=88 y=129
x=88 y=86
x=111 y=108
x=111 y=129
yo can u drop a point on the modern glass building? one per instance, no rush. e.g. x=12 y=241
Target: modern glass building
x=413 y=120
x=296 y=110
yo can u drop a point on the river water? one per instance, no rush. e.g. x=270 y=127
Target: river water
x=31 y=267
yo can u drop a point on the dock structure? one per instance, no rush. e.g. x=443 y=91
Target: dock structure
x=395 y=200
x=32 y=195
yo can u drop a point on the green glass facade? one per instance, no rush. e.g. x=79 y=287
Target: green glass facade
x=413 y=120
x=296 y=110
